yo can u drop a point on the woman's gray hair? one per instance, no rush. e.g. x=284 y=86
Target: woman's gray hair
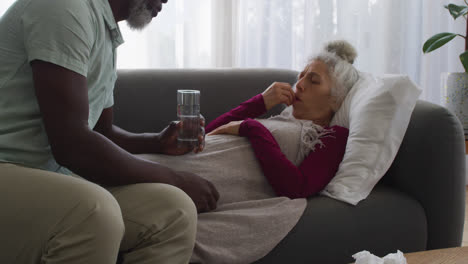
x=339 y=57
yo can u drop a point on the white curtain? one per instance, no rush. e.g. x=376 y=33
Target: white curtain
x=4 y=4
x=388 y=35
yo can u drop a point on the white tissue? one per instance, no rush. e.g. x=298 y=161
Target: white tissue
x=365 y=257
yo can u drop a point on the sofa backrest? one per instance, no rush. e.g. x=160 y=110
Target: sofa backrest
x=146 y=100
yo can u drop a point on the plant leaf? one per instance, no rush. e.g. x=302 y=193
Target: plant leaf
x=457 y=10
x=437 y=41
x=464 y=60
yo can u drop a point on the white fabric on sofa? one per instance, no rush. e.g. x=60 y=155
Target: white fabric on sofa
x=377 y=111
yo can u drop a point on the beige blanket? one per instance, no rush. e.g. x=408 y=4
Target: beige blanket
x=250 y=220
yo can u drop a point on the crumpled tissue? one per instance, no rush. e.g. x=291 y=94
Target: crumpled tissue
x=365 y=257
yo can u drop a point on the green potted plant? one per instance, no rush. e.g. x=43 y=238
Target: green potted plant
x=454 y=84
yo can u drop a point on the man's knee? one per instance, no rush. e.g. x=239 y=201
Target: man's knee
x=175 y=203
x=161 y=205
x=89 y=221
x=98 y=214
x=182 y=203
x=161 y=222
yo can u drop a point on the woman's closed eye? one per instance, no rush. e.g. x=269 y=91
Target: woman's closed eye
x=314 y=78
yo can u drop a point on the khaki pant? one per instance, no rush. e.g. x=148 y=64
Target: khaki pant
x=51 y=218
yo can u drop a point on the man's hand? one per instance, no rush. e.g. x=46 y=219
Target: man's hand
x=278 y=93
x=168 y=143
x=202 y=192
x=231 y=128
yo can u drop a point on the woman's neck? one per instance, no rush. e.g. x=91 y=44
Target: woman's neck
x=324 y=122
x=321 y=117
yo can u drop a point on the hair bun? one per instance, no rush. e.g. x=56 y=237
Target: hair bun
x=342 y=49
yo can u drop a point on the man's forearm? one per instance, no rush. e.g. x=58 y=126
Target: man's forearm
x=132 y=142
x=96 y=158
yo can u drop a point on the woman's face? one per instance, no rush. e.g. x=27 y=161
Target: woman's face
x=313 y=100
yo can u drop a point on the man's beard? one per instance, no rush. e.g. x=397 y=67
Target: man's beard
x=140 y=16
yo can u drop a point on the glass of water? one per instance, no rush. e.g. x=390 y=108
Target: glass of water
x=188 y=113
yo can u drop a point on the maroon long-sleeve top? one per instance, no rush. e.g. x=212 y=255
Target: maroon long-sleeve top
x=315 y=171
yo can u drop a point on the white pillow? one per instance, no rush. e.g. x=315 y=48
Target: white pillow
x=377 y=112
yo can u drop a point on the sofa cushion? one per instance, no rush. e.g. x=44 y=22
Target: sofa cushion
x=331 y=231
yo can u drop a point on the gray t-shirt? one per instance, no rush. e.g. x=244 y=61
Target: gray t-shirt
x=80 y=35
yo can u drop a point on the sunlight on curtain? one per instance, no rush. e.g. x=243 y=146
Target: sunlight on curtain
x=388 y=35
x=179 y=37
x=4 y=4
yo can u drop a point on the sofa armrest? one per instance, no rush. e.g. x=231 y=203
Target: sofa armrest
x=430 y=166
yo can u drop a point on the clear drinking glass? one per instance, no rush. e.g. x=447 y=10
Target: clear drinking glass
x=188 y=113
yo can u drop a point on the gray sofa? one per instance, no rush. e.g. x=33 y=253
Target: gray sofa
x=418 y=205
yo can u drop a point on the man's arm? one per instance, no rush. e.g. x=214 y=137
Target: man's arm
x=63 y=100
x=164 y=142
x=131 y=142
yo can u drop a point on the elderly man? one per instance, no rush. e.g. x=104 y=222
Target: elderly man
x=57 y=74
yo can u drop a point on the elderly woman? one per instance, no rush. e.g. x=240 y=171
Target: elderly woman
x=319 y=92
x=258 y=165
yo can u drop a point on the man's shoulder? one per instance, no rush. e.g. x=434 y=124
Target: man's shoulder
x=62 y=3
x=71 y=9
x=76 y=15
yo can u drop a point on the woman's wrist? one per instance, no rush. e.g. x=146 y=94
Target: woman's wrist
x=268 y=105
x=244 y=127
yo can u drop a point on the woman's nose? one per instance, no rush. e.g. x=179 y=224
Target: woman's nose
x=299 y=86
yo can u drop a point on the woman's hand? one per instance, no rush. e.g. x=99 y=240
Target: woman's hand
x=231 y=128
x=168 y=143
x=278 y=93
